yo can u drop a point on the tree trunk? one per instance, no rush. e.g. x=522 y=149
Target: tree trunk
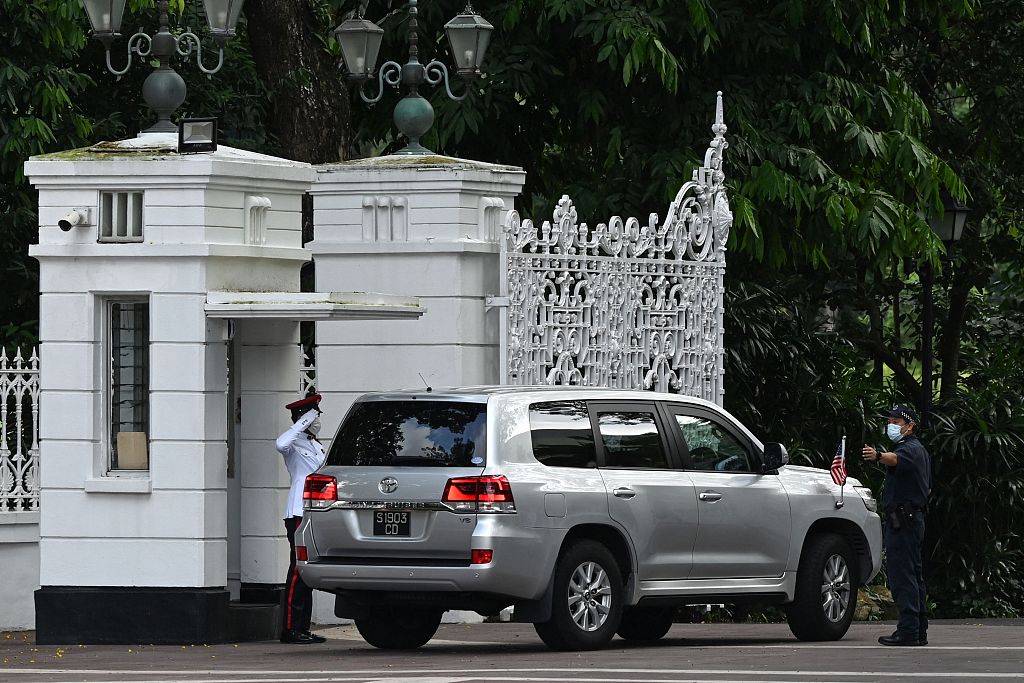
x=875 y=318
x=924 y=406
x=309 y=112
x=949 y=346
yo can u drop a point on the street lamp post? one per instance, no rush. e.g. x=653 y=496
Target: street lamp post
x=360 y=39
x=164 y=89
x=948 y=226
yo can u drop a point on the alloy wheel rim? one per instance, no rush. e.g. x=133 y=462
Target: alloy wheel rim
x=590 y=596
x=835 y=588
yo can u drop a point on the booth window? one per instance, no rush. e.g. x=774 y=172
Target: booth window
x=128 y=370
x=121 y=216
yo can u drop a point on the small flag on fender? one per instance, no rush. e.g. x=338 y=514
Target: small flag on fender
x=839 y=464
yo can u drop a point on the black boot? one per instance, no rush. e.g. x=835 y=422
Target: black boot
x=315 y=637
x=300 y=638
x=899 y=639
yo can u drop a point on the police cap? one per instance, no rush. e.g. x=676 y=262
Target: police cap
x=903 y=412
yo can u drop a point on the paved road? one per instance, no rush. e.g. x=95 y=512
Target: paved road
x=981 y=651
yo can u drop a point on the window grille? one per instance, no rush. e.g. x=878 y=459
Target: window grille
x=129 y=385
x=121 y=216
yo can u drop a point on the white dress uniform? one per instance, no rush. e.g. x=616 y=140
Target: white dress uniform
x=302 y=457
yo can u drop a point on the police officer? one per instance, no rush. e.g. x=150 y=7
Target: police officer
x=908 y=476
x=303 y=455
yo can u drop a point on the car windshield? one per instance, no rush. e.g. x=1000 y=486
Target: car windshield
x=412 y=433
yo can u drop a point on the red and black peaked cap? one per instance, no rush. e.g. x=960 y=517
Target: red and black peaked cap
x=304 y=404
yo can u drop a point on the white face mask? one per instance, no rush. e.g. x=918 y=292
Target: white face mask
x=314 y=427
x=893 y=431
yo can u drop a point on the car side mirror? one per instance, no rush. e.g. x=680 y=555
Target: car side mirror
x=775 y=456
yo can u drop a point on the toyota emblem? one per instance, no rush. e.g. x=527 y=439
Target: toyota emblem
x=388 y=485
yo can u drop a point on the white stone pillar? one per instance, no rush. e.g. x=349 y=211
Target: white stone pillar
x=418 y=226
x=141 y=555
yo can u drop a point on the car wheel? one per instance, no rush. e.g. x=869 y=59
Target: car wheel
x=826 y=590
x=586 y=603
x=393 y=628
x=645 y=623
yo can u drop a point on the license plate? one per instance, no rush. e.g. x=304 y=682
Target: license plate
x=386 y=523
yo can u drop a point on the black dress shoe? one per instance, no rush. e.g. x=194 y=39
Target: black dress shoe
x=922 y=638
x=898 y=639
x=299 y=638
x=315 y=637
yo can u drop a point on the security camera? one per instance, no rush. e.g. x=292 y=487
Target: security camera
x=74 y=218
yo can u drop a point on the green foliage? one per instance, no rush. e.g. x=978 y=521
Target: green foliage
x=792 y=377
x=39 y=85
x=977 y=446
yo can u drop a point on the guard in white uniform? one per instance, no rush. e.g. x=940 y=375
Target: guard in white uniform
x=303 y=455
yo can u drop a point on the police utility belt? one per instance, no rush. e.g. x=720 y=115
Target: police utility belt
x=903 y=514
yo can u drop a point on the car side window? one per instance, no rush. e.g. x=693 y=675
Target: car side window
x=562 y=434
x=631 y=439
x=712 y=448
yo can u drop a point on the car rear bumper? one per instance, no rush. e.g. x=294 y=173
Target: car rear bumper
x=521 y=566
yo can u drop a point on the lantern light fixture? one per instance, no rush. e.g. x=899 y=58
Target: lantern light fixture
x=164 y=89
x=468 y=35
x=949 y=225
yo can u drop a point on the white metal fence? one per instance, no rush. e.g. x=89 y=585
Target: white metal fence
x=622 y=304
x=19 y=434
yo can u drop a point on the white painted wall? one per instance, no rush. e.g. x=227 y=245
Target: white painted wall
x=19 y=569
x=426 y=227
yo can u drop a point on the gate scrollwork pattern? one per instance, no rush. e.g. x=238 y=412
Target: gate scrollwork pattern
x=623 y=304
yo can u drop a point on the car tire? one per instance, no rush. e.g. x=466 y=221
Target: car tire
x=586 y=600
x=393 y=628
x=826 y=590
x=645 y=624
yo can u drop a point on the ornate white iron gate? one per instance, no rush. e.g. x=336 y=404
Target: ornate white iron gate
x=622 y=305
x=19 y=433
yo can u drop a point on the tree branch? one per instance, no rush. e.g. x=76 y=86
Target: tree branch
x=880 y=351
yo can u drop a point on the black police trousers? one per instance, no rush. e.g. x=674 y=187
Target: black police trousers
x=903 y=548
x=298 y=597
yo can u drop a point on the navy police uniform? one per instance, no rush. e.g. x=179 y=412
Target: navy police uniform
x=904 y=504
x=303 y=455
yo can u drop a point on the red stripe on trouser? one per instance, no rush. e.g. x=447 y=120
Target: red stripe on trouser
x=291 y=594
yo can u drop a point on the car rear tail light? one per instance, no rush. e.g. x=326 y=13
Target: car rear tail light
x=300 y=553
x=487 y=494
x=482 y=556
x=320 y=492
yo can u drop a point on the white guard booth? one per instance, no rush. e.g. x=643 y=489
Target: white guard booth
x=169 y=344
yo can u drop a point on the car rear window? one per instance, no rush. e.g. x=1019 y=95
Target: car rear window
x=562 y=434
x=412 y=433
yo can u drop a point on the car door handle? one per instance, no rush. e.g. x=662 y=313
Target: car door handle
x=710 y=496
x=624 y=492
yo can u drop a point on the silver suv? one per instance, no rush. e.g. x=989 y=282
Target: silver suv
x=590 y=511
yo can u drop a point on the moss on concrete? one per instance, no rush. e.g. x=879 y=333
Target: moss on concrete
x=103 y=151
x=420 y=161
